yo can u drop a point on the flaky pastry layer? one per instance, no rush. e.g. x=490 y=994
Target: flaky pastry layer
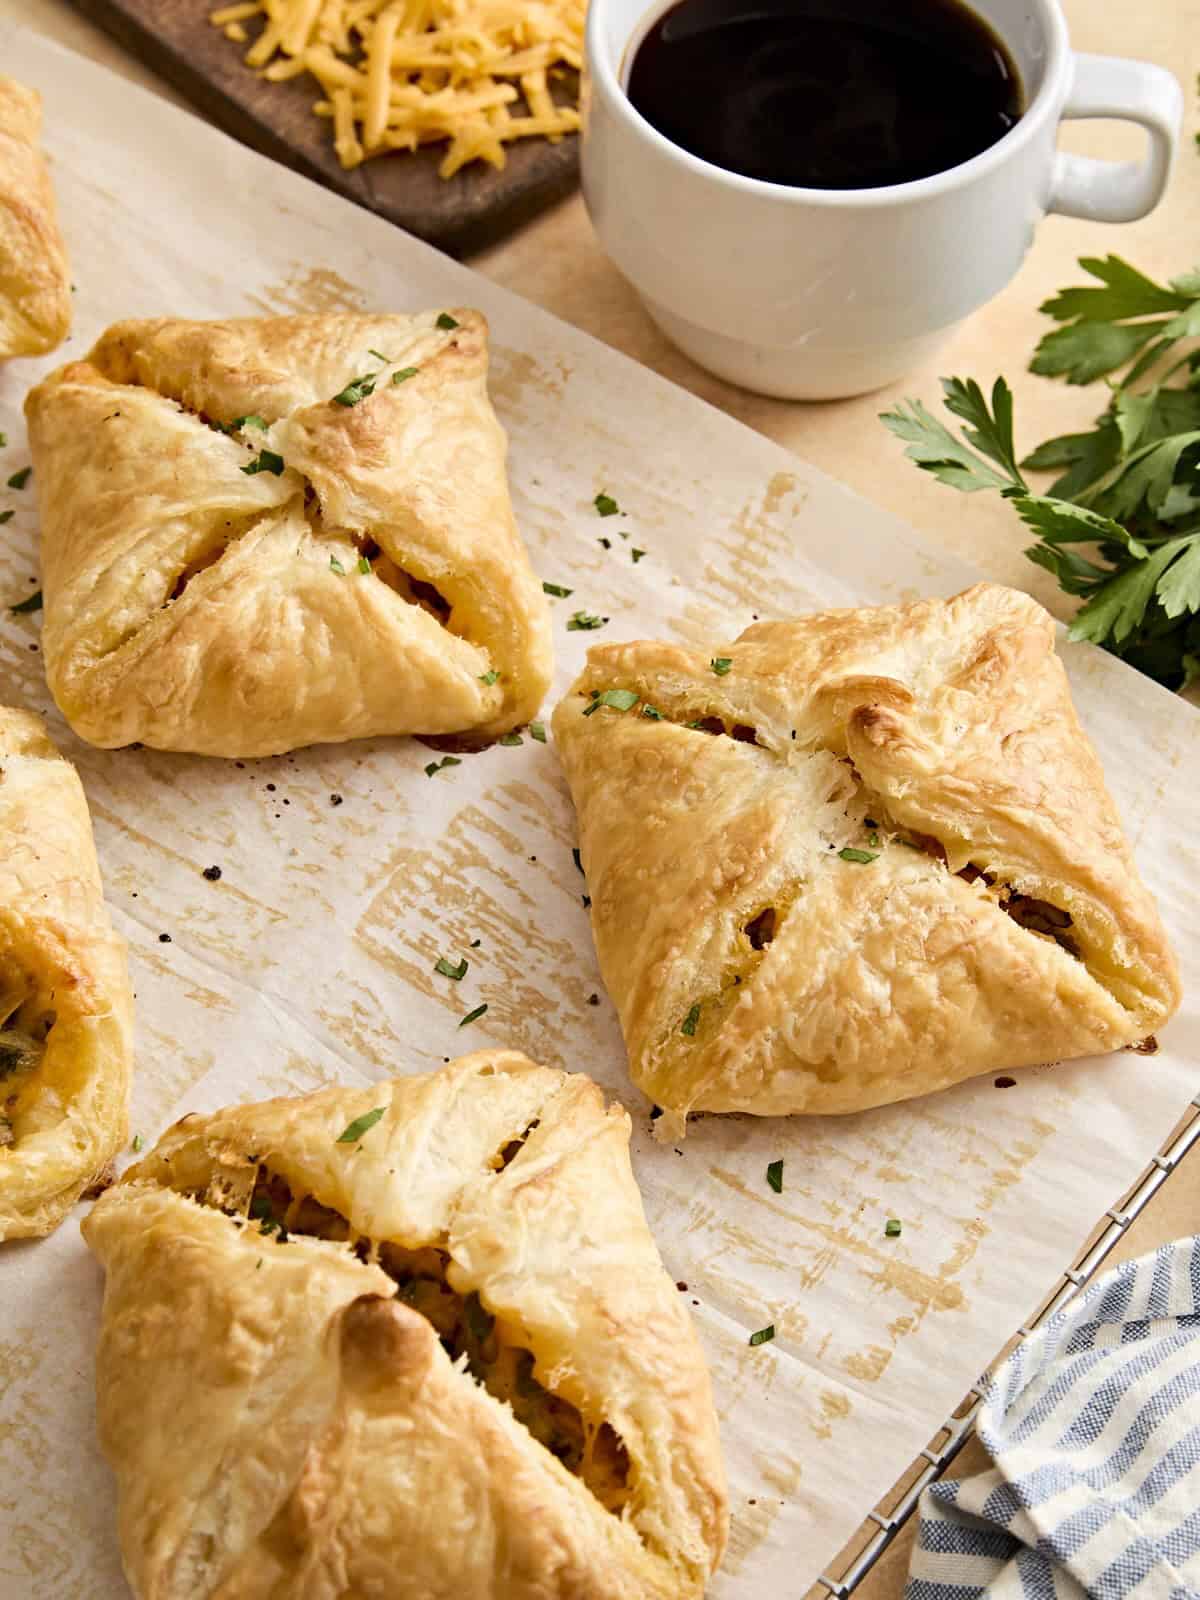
x=66 y=1026
x=273 y=532
x=35 y=280
x=411 y=1340
x=855 y=857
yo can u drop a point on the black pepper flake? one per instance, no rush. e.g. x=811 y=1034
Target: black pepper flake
x=475 y=943
x=682 y=1287
x=164 y=938
x=655 y=1113
x=593 y=999
x=1006 y=1083
x=337 y=800
x=241 y=765
x=213 y=874
x=270 y=788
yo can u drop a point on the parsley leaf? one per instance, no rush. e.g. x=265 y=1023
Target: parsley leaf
x=636 y=554
x=691 y=1021
x=446 y=761
x=764 y=1335
x=1128 y=489
x=618 y=699
x=557 y=590
x=446 y=322
x=537 y=731
x=775 y=1175
x=32 y=602
x=891 y=1228
x=473 y=1016
x=511 y=738
x=606 y=505
x=357 y=389
x=378 y=356
x=354 y=1131
x=364 y=566
x=20 y=479
x=336 y=566
x=584 y=622
x=450 y=969
x=721 y=665
x=863 y=857
x=403 y=375
x=264 y=461
x=7 y=516
x=490 y=676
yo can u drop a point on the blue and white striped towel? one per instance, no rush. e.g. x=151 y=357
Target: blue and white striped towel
x=1093 y=1424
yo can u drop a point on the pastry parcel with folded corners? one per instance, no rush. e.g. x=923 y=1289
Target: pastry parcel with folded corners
x=35 y=280
x=275 y=532
x=65 y=1005
x=855 y=857
x=413 y=1341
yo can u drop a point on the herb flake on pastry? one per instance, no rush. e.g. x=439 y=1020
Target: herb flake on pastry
x=411 y=1340
x=855 y=857
x=35 y=280
x=65 y=1002
x=273 y=532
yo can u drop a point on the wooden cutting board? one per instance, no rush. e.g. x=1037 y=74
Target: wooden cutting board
x=474 y=208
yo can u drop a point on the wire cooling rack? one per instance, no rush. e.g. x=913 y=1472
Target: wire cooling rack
x=882 y=1524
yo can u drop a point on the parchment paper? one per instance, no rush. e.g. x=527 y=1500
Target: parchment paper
x=311 y=959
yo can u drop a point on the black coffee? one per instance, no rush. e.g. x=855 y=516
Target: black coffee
x=827 y=94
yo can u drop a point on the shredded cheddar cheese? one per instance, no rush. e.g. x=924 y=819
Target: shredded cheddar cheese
x=395 y=74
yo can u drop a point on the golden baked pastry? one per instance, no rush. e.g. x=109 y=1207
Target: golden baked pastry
x=66 y=1015
x=276 y=532
x=35 y=280
x=855 y=857
x=412 y=1340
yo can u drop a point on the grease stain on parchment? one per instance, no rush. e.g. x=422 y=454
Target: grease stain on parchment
x=779 y=1478
x=308 y=291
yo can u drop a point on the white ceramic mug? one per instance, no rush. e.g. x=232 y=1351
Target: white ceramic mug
x=812 y=294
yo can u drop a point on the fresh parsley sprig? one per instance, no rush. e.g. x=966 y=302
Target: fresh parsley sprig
x=1128 y=489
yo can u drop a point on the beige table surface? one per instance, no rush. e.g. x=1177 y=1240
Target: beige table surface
x=557 y=263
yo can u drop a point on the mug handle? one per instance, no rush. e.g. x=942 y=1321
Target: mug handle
x=1133 y=91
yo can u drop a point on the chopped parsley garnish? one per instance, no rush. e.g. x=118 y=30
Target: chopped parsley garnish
x=262 y=1211
x=446 y=761
x=32 y=602
x=606 y=505
x=511 y=738
x=446 y=321
x=264 y=461
x=20 y=479
x=537 y=731
x=250 y=420
x=7 y=516
x=379 y=356
x=354 y=1131
x=450 y=969
x=891 y=1228
x=721 y=665
x=139 y=1144
x=764 y=1335
x=403 y=375
x=364 y=566
x=490 y=676
x=584 y=622
x=775 y=1176
x=636 y=554
x=691 y=1021
x=652 y=713
x=863 y=857
x=557 y=590
x=473 y=1016
x=336 y=566
x=357 y=389
x=605 y=543
x=873 y=840
x=618 y=699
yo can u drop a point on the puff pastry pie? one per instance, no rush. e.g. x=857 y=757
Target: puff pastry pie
x=855 y=857
x=411 y=1341
x=268 y=533
x=35 y=280
x=65 y=1005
